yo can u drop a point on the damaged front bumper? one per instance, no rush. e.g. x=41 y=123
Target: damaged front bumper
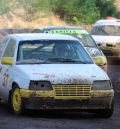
x=98 y=99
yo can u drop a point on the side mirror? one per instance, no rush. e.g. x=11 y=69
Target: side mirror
x=7 y=60
x=100 y=60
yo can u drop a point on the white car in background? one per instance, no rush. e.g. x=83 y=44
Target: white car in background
x=106 y=33
x=51 y=71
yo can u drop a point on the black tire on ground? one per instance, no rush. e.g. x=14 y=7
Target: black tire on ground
x=15 y=101
x=106 y=113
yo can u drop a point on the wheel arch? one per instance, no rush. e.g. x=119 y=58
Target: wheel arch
x=14 y=85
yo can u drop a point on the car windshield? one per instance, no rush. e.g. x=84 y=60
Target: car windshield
x=107 y=30
x=52 y=51
x=81 y=34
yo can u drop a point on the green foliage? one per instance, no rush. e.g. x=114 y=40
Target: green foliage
x=33 y=5
x=85 y=11
x=107 y=8
x=75 y=20
x=72 y=11
x=4 y=8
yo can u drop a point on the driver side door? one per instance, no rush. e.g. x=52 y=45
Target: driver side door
x=6 y=68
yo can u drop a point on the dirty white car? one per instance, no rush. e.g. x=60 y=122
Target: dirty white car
x=46 y=71
x=106 y=33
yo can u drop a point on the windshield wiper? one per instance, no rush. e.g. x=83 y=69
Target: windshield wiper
x=32 y=61
x=62 y=59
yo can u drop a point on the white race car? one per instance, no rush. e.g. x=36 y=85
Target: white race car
x=51 y=71
x=106 y=33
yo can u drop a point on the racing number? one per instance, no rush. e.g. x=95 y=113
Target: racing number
x=5 y=78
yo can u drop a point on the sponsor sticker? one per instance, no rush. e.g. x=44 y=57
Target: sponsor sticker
x=67 y=31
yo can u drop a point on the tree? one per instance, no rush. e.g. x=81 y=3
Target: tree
x=107 y=8
x=85 y=11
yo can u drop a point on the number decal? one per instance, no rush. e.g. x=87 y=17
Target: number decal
x=5 y=78
x=0 y=69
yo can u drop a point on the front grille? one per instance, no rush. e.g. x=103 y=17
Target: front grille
x=72 y=91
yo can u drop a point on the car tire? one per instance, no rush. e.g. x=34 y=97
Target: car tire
x=16 y=103
x=106 y=113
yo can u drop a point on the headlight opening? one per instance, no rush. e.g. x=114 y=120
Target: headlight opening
x=101 y=85
x=40 y=85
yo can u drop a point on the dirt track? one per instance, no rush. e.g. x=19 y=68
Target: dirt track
x=43 y=120
x=53 y=120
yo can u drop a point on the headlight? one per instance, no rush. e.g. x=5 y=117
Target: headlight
x=40 y=85
x=101 y=85
x=110 y=45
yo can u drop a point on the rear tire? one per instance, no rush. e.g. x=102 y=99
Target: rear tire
x=16 y=103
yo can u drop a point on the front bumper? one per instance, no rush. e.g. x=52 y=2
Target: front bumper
x=47 y=100
x=111 y=51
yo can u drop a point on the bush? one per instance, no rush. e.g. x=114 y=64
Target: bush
x=75 y=11
x=86 y=11
x=107 y=8
x=75 y=20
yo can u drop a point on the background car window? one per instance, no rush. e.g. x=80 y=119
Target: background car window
x=93 y=31
x=86 y=40
x=10 y=49
x=36 y=31
x=82 y=35
x=109 y=30
x=2 y=45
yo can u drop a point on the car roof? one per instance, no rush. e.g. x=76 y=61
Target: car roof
x=107 y=22
x=39 y=36
x=60 y=27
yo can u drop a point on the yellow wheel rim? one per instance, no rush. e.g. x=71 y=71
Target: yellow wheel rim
x=16 y=100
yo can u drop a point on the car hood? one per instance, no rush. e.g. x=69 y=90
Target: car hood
x=112 y=40
x=63 y=73
x=94 y=51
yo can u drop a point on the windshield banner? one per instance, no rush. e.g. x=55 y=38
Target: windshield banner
x=69 y=31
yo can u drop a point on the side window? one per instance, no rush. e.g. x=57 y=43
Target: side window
x=2 y=45
x=37 y=31
x=94 y=31
x=10 y=49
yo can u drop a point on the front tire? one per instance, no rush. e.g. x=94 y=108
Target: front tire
x=16 y=103
x=106 y=113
